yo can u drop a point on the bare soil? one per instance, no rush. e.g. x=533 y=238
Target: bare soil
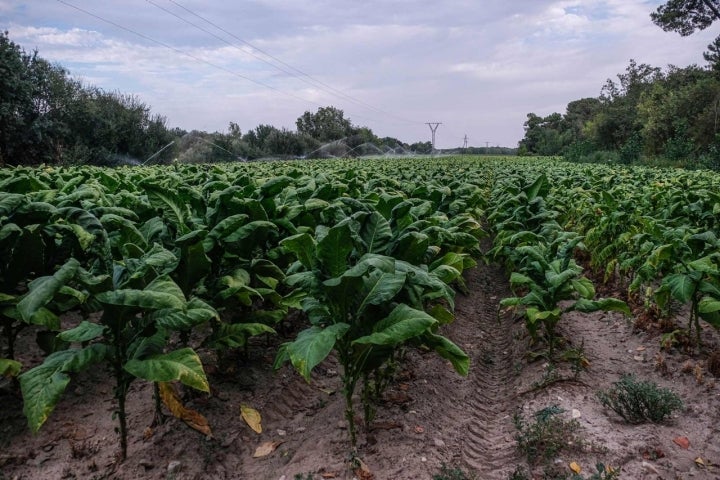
x=430 y=416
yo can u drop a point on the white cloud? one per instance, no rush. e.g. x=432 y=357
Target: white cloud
x=479 y=67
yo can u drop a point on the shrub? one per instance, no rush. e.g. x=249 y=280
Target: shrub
x=637 y=401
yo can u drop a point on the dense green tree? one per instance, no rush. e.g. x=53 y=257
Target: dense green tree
x=326 y=125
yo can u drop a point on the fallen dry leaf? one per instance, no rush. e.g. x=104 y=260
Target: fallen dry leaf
x=700 y=461
x=266 y=448
x=575 y=467
x=419 y=429
x=328 y=475
x=363 y=472
x=172 y=401
x=682 y=442
x=252 y=417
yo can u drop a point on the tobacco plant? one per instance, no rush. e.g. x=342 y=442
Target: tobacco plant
x=363 y=308
x=140 y=306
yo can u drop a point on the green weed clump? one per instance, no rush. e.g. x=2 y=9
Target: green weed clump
x=448 y=473
x=638 y=401
x=543 y=439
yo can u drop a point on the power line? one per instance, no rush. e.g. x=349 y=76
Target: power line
x=289 y=69
x=196 y=58
x=286 y=67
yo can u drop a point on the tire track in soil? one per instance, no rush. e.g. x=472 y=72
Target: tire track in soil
x=490 y=396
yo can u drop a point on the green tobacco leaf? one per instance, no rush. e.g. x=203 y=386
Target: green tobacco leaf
x=681 y=286
x=84 y=332
x=533 y=314
x=148 y=299
x=536 y=188
x=449 y=351
x=228 y=225
x=43 y=289
x=312 y=346
x=9 y=368
x=447 y=274
x=196 y=313
x=584 y=287
x=303 y=246
x=520 y=279
x=333 y=249
x=42 y=387
x=604 y=304
x=411 y=247
x=402 y=324
x=379 y=288
x=173 y=208
x=182 y=365
x=376 y=233
x=235 y=335
x=86 y=357
x=708 y=305
x=441 y=314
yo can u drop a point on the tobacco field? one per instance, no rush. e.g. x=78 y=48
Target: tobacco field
x=169 y=282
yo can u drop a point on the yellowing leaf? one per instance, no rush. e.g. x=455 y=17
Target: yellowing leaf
x=265 y=449
x=251 y=417
x=192 y=418
x=575 y=467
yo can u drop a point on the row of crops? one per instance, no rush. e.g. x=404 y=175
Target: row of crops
x=162 y=262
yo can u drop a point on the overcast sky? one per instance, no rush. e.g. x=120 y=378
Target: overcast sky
x=476 y=66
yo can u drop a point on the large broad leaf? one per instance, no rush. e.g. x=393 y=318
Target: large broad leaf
x=584 y=287
x=43 y=289
x=334 y=248
x=158 y=260
x=182 y=365
x=196 y=313
x=376 y=233
x=380 y=287
x=708 y=305
x=235 y=335
x=537 y=188
x=194 y=264
x=228 y=225
x=449 y=351
x=312 y=346
x=84 y=332
x=303 y=246
x=682 y=286
x=161 y=293
x=411 y=247
x=402 y=324
x=604 y=304
x=43 y=385
x=173 y=208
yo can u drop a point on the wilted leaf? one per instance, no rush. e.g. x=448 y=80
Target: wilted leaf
x=251 y=417
x=192 y=418
x=266 y=448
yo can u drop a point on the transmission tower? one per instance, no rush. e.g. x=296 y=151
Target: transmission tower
x=433 y=128
x=465 y=140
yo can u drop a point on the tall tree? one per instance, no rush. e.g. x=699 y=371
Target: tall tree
x=326 y=125
x=687 y=16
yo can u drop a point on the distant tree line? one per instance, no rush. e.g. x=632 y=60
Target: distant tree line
x=46 y=116
x=648 y=114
